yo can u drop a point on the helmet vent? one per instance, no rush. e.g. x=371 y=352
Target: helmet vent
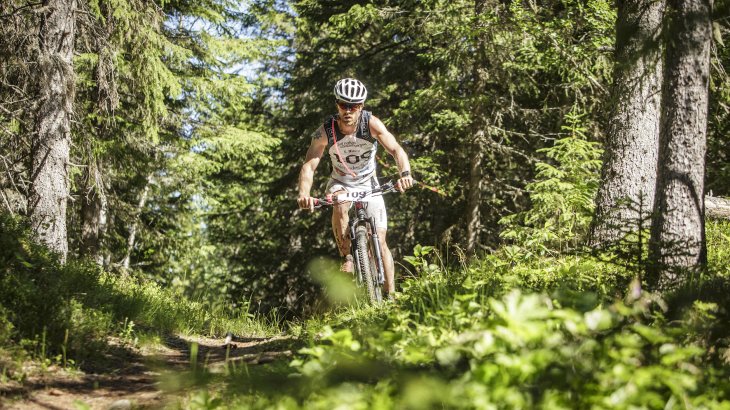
x=350 y=90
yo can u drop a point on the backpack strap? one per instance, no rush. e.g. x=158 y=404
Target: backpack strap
x=330 y=130
x=364 y=130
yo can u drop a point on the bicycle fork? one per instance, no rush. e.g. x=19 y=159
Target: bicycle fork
x=353 y=250
x=378 y=255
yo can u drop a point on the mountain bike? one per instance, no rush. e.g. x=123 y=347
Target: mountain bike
x=364 y=241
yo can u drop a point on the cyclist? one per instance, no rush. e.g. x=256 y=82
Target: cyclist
x=351 y=138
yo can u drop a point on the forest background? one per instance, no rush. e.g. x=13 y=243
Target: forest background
x=186 y=124
x=190 y=122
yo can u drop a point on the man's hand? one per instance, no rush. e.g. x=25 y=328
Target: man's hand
x=306 y=202
x=404 y=183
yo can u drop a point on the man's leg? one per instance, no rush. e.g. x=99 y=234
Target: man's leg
x=388 y=264
x=340 y=220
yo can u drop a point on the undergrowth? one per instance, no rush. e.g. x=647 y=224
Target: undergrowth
x=564 y=332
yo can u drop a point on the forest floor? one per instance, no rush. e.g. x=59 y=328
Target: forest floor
x=136 y=378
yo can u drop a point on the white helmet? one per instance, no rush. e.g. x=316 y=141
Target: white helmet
x=351 y=90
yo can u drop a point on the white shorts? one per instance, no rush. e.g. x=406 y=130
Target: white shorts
x=374 y=207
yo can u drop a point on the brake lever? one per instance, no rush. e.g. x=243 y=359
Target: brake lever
x=388 y=187
x=392 y=186
x=322 y=202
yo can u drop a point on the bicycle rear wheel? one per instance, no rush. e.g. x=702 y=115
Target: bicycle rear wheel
x=366 y=264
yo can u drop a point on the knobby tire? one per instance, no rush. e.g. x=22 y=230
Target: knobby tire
x=366 y=264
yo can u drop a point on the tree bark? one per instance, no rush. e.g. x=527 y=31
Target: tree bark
x=677 y=243
x=626 y=195
x=50 y=149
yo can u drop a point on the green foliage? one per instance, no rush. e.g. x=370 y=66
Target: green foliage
x=420 y=262
x=561 y=195
x=473 y=339
x=213 y=183
x=176 y=132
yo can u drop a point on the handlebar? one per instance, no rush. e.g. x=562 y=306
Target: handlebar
x=355 y=196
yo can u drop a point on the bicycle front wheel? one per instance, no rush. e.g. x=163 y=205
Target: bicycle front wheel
x=366 y=264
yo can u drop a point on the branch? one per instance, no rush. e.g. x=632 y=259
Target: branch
x=17 y=9
x=10 y=177
x=717 y=208
x=7 y=203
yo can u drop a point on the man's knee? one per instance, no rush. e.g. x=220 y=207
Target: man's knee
x=340 y=210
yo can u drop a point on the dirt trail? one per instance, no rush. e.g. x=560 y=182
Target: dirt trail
x=132 y=378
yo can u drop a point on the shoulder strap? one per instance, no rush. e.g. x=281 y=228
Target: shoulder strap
x=329 y=128
x=364 y=131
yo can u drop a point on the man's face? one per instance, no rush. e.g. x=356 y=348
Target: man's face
x=349 y=112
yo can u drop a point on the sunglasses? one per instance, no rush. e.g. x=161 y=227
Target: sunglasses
x=347 y=106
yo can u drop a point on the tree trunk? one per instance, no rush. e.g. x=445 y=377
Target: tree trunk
x=94 y=217
x=132 y=238
x=94 y=206
x=49 y=189
x=677 y=242
x=473 y=214
x=626 y=195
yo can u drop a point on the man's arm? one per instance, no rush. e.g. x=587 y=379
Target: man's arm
x=306 y=175
x=377 y=128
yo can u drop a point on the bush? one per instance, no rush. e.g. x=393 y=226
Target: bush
x=32 y=288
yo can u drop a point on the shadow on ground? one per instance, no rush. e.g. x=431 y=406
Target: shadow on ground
x=142 y=377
